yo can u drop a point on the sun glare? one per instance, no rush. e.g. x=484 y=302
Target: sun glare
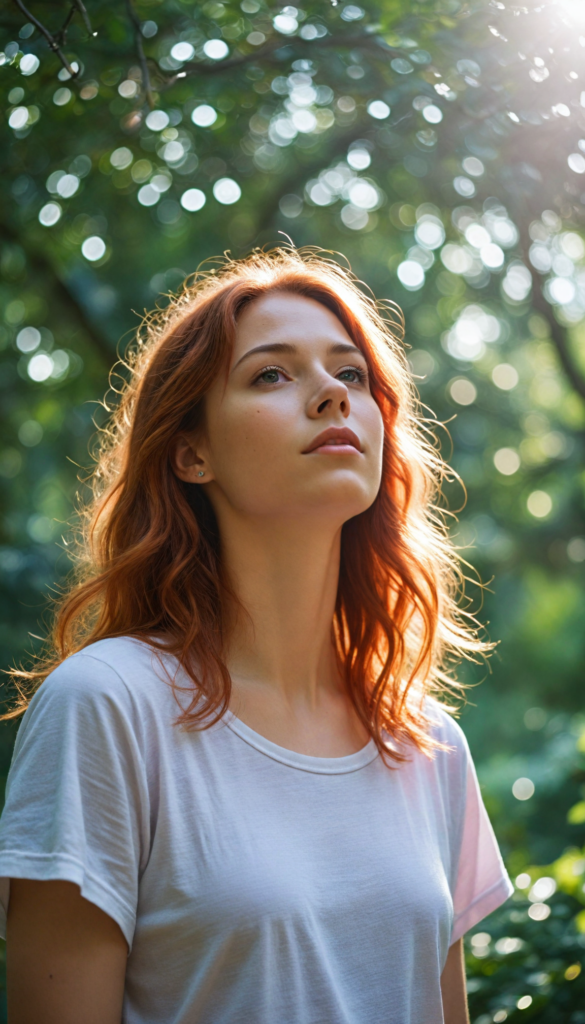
x=575 y=10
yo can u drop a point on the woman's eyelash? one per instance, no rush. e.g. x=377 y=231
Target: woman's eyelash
x=359 y=370
x=268 y=369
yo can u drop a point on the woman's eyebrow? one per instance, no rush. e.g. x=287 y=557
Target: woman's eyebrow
x=342 y=348
x=339 y=348
x=271 y=346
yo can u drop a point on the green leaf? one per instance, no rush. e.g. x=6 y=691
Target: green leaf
x=576 y=815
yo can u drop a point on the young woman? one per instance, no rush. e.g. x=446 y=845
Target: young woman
x=237 y=798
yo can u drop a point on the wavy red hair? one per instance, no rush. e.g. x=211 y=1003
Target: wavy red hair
x=150 y=563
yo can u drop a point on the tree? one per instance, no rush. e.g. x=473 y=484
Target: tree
x=441 y=146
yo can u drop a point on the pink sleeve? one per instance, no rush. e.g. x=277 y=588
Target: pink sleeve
x=482 y=880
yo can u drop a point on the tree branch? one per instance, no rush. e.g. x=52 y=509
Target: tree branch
x=53 y=44
x=267 y=52
x=61 y=36
x=76 y=5
x=146 y=86
x=85 y=16
x=559 y=339
x=40 y=262
x=557 y=332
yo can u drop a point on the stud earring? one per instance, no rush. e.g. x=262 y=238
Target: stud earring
x=201 y=472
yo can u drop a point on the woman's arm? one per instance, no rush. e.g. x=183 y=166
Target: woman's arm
x=66 y=959
x=453 y=986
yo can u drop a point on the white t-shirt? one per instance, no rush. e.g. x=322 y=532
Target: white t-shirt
x=252 y=883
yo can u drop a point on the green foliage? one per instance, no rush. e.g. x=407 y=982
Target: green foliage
x=440 y=145
x=527 y=969
x=533 y=948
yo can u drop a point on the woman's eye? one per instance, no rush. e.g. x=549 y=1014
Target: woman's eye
x=352 y=375
x=270 y=376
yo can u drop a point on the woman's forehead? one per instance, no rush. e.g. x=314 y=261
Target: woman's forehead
x=286 y=318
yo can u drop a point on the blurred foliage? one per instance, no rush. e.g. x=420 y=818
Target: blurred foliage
x=438 y=144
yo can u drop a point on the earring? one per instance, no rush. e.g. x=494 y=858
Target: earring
x=201 y=472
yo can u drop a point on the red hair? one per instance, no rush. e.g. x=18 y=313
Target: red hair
x=151 y=564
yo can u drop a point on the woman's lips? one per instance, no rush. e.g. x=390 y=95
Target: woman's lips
x=335 y=449
x=335 y=441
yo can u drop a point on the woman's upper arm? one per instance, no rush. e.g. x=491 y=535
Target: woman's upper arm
x=66 y=958
x=77 y=800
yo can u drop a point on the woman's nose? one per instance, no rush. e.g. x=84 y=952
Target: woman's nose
x=332 y=396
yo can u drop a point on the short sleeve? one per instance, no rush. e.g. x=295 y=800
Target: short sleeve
x=77 y=799
x=482 y=883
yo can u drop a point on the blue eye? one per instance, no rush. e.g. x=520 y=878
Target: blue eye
x=352 y=375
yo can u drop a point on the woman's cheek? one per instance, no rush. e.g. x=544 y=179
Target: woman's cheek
x=265 y=425
x=257 y=432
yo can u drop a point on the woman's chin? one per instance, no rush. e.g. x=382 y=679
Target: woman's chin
x=341 y=499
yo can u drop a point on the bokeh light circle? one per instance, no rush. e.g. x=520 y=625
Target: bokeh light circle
x=93 y=248
x=193 y=199
x=411 y=275
x=227 y=191
x=204 y=116
x=379 y=110
x=215 y=49
x=49 y=214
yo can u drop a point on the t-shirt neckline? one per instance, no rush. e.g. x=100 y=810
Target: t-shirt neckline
x=304 y=762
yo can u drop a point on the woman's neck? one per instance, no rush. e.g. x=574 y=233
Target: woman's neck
x=286 y=682
x=285 y=577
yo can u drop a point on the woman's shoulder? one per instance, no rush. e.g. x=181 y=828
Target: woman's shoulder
x=449 y=756
x=451 y=762
x=122 y=670
x=449 y=751
x=443 y=726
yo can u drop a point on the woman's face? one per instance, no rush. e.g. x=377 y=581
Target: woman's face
x=295 y=431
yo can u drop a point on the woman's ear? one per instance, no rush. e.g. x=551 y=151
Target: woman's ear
x=188 y=463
